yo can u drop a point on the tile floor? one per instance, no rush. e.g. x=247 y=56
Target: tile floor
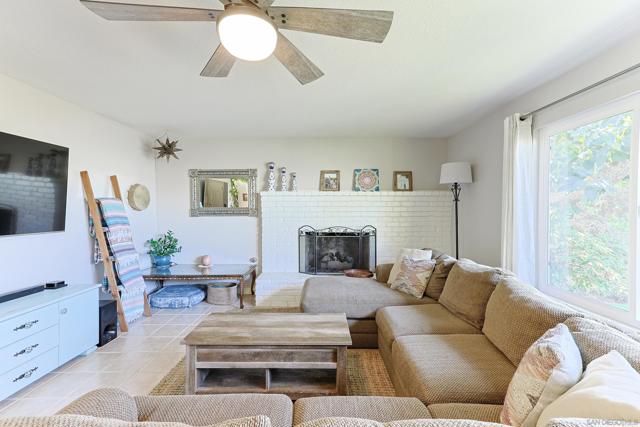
x=135 y=362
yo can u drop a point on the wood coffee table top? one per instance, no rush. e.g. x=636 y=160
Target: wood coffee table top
x=271 y=329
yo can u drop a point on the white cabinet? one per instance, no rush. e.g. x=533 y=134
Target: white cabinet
x=78 y=325
x=40 y=332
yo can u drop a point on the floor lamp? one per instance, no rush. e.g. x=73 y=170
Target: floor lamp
x=456 y=173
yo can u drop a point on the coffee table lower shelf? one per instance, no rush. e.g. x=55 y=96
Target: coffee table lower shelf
x=296 y=383
x=295 y=371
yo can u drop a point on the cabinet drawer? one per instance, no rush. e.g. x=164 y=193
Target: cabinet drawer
x=27 y=324
x=25 y=374
x=28 y=348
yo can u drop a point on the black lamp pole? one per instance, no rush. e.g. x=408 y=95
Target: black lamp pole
x=456 y=189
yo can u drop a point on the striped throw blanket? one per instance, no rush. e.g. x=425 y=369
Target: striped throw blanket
x=120 y=241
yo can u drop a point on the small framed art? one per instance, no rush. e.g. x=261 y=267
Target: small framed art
x=402 y=181
x=329 y=180
x=366 y=180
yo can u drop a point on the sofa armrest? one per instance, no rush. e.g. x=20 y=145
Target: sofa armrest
x=382 y=272
x=104 y=403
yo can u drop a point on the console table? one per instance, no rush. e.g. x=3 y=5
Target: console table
x=42 y=331
x=240 y=273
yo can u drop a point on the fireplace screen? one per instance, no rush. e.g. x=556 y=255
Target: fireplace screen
x=335 y=249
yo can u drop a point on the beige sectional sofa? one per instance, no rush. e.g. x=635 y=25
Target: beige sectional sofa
x=436 y=350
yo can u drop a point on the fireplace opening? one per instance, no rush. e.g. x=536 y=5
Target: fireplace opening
x=335 y=249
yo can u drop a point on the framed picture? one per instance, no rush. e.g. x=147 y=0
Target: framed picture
x=329 y=180
x=366 y=180
x=402 y=181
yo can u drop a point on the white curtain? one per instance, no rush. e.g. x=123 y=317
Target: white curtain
x=519 y=198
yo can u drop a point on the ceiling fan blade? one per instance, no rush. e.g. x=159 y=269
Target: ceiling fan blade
x=366 y=25
x=220 y=63
x=296 y=62
x=141 y=12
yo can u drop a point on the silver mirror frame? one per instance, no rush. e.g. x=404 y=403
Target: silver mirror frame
x=197 y=175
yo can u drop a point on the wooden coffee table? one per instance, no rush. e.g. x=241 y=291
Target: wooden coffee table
x=297 y=354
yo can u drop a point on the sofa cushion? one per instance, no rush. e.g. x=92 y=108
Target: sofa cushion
x=430 y=319
x=450 y=369
x=468 y=288
x=444 y=264
x=550 y=367
x=211 y=409
x=466 y=411
x=381 y=409
x=595 y=339
x=87 y=421
x=358 y=298
x=360 y=422
x=518 y=314
x=104 y=403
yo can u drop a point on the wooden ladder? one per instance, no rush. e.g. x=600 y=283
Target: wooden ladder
x=107 y=260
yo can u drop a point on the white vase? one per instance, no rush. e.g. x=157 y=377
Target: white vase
x=294 y=181
x=271 y=177
x=284 y=180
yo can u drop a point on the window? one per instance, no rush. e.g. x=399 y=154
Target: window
x=588 y=209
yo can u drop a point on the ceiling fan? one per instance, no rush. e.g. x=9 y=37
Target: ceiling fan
x=250 y=29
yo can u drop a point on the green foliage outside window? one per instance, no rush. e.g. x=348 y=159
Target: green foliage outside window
x=589 y=225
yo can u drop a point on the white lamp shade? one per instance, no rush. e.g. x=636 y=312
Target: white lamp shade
x=456 y=172
x=247 y=33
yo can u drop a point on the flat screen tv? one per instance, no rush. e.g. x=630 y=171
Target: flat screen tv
x=33 y=185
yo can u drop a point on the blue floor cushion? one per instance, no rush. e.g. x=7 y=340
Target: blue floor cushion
x=177 y=297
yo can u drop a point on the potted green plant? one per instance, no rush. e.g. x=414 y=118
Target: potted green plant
x=163 y=248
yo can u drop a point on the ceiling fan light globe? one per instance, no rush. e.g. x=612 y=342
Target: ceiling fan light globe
x=246 y=34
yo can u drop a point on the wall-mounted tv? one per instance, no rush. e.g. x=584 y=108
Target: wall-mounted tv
x=33 y=185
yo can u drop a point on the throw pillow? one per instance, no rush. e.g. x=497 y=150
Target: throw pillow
x=609 y=390
x=444 y=264
x=413 y=276
x=468 y=288
x=411 y=253
x=550 y=367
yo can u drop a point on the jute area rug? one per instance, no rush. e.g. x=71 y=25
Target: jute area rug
x=366 y=373
x=366 y=376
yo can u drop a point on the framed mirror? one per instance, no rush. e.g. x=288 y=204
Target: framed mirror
x=223 y=192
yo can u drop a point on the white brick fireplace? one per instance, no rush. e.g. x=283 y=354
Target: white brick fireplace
x=402 y=219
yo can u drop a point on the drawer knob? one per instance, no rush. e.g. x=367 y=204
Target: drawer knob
x=26 y=325
x=26 y=350
x=64 y=310
x=25 y=375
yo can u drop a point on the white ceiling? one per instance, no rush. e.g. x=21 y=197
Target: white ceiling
x=443 y=61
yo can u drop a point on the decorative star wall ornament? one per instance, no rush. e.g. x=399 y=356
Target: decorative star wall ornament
x=167 y=149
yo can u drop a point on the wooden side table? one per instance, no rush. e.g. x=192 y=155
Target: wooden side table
x=240 y=273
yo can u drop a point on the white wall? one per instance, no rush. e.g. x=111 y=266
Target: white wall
x=235 y=239
x=97 y=144
x=481 y=143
